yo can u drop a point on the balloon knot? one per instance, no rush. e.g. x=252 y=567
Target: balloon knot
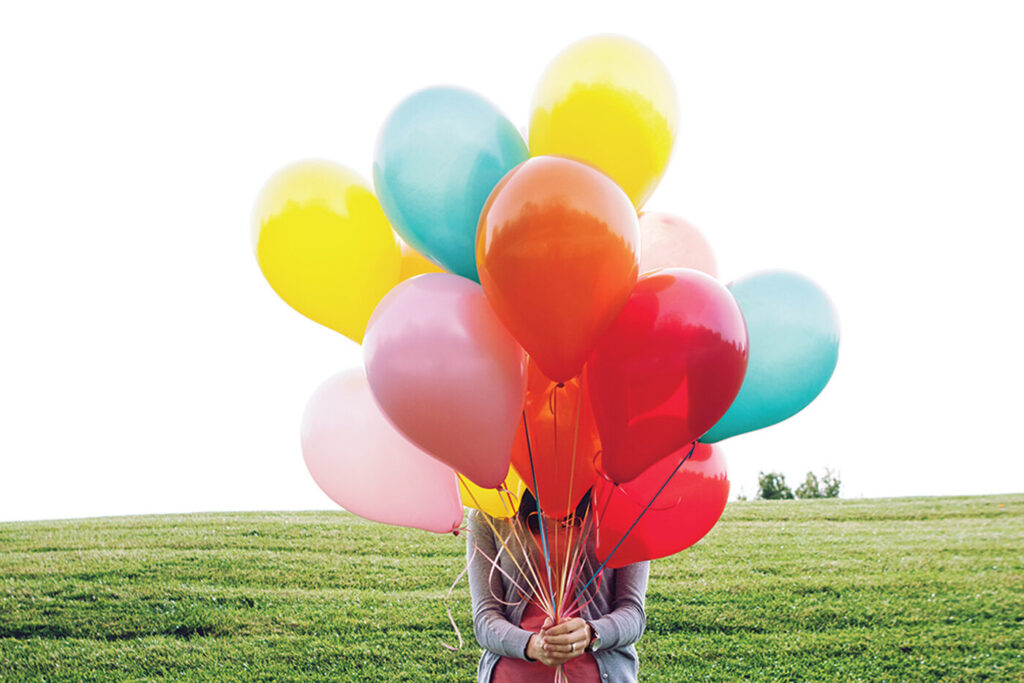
x=561 y=385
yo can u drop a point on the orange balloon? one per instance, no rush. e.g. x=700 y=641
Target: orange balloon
x=556 y=250
x=563 y=443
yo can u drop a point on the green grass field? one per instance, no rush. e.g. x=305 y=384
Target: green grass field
x=873 y=590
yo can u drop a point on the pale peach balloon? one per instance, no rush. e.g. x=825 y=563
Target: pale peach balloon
x=358 y=458
x=667 y=241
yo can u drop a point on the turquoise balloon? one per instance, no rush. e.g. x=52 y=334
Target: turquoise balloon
x=794 y=344
x=439 y=155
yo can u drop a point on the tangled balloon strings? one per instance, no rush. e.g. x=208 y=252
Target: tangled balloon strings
x=551 y=598
x=575 y=546
x=557 y=595
x=554 y=595
x=570 y=568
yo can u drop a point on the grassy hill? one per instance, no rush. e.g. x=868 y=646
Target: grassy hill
x=879 y=590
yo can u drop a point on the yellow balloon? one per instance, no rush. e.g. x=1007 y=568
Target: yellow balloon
x=414 y=263
x=610 y=102
x=324 y=244
x=492 y=501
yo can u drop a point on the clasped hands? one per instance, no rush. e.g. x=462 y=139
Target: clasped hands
x=556 y=644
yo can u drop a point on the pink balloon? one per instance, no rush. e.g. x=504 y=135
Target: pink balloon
x=667 y=241
x=447 y=373
x=368 y=468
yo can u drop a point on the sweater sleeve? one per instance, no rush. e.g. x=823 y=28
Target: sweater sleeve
x=626 y=621
x=493 y=630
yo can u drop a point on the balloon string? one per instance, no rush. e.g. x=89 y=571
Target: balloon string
x=448 y=603
x=496 y=565
x=529 y=559
x=573 y=541
x=608 y=499
x=637 y=520
x=554 y=424
x=575 y=607
x=500 y=490
x=540 y=511
x=510 y=513
x=578 y=561
x=553 y=405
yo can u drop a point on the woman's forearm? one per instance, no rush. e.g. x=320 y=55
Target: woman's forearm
x=626 y=621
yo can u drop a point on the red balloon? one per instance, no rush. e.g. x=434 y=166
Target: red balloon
x=682 y=514
x=666 y=370
x=563 y=443
x=556 y=249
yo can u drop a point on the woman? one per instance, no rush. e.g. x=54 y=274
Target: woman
x=520 y=642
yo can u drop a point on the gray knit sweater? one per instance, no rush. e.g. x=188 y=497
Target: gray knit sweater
x=616 y=611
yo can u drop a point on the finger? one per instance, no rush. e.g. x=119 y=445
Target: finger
x=557 y=648
x=566 y=638
x=573 y=647
x=559 y=644
x=563 y=644
x=569 y=625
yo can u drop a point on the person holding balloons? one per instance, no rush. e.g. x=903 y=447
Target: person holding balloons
x=523 y=570
x=525 y=325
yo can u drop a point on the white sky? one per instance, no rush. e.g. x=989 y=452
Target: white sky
x=146 y=365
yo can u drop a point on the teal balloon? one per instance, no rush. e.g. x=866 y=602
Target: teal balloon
x=439 y=155
x=793 y=333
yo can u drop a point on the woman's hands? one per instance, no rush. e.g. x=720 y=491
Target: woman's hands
x=535 y=651
x=557 y=644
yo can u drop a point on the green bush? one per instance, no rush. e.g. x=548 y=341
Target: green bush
x=810 y=488
x=772 y=486
x=830 y=484
x=827 y=487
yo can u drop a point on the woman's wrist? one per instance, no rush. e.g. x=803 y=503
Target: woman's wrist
x=530 y=652
x=593 y=642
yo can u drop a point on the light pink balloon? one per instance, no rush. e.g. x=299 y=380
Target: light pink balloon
x=667 y=241
x=368 y=468
x=447 y=373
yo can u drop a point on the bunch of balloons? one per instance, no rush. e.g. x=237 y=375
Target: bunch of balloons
x=530 y=330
